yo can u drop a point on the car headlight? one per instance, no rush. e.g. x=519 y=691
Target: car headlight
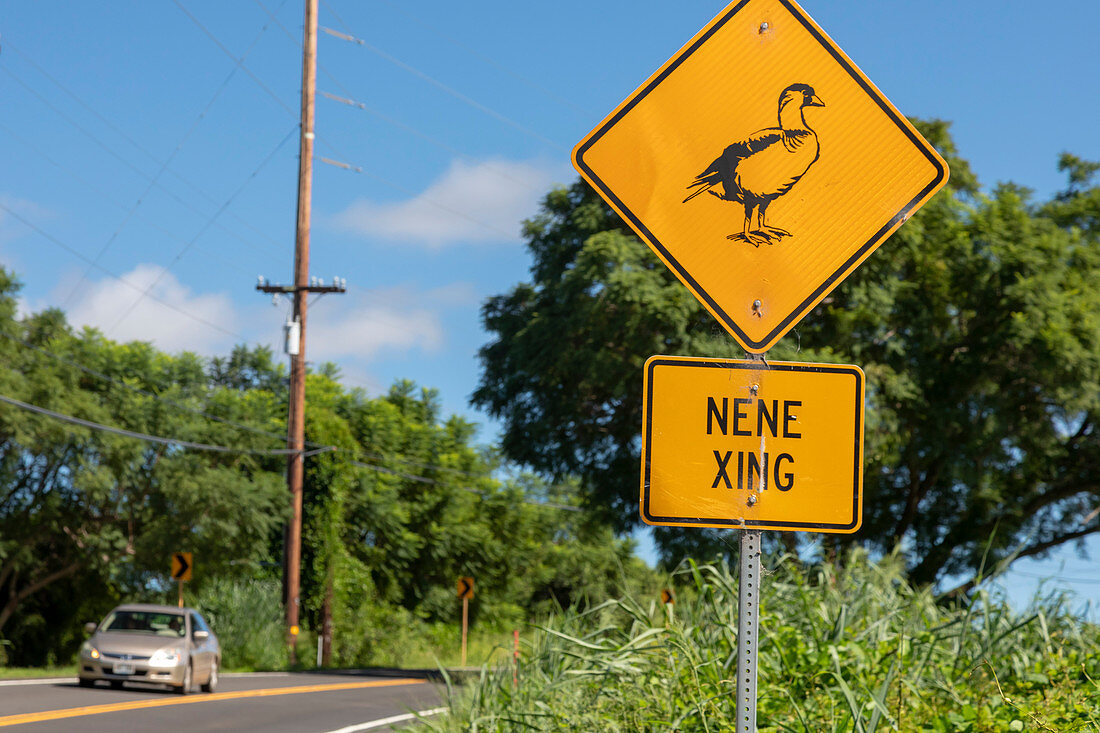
x=166 y=657
x=91 y=651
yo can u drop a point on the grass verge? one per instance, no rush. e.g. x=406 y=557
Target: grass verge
x=856 y=650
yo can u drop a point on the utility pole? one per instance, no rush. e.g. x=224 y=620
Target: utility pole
x=296 y=328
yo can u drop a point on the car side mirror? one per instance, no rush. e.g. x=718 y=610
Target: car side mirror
x=200 y=635
x=90 y=627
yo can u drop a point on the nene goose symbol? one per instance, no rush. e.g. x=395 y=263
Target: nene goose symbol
x=764 y=166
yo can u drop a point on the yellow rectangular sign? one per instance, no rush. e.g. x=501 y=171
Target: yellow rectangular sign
x=732 y=443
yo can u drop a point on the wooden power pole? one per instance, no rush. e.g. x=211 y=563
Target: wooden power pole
x=296 y=329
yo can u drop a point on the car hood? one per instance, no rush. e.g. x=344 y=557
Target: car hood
x=130 y=643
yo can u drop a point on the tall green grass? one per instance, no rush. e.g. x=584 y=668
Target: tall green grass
x=856 y=649
x=247 y=616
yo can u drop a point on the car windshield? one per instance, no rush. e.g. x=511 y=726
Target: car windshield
x=145 y=622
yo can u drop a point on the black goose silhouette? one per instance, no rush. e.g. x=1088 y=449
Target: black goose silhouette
x=764 y=166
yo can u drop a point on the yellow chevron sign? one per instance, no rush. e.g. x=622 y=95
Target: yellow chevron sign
x=181 y=566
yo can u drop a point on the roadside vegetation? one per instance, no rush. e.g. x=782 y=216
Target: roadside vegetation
x=855 y=649
x=977 y=325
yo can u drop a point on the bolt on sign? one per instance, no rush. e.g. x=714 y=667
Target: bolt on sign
x=732 y=443
x=181 y=566
x=761 y=165
x=466 y=588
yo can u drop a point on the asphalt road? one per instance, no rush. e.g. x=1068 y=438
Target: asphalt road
x=274 y=703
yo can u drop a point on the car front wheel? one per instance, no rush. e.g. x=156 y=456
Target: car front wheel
x=185 y=688
x=212 y=683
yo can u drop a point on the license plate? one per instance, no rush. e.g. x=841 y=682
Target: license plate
x=124 y=669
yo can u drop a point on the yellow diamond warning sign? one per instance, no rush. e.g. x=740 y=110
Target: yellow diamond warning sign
x=731 y=443
x=761 y=165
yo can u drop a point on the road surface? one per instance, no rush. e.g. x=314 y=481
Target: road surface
x=274 y=703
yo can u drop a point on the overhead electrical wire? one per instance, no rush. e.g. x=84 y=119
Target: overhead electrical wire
x=213 y=217
x=164 y=166
x=346 y=100
x=476 y=54
x=143 y=392
x=100 y=191
x=143 y=436
x=343 y=164
x=241 y=426
x=81 y=256
x=112 y=152
x=413 y=131
x=137 y=145
x=90 y=424
x=443 y=87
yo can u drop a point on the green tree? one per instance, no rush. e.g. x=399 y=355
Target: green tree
x=977 y=323
x=82 y=509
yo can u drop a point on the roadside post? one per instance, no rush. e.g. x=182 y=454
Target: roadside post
x=762 y=167
x=515 y=659
x=465 y=592
x=181 y=571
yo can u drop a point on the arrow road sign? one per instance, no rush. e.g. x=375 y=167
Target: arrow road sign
x=465 y=587
x=181 y=566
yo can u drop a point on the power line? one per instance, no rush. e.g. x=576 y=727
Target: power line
x=167 y=162
x=415 y=195
x=346 y=100
x=483 y=494
x=144 y=392
x=102 y=193
x=206 y=226
x=478 y=55
x=242 y=426
x=440 y=85
x=117 y=156
x=238 y=61
x=142 y=436
x=1040 y=576
x=412 y=130
x=76 y=253
x=317 y=448
x=385 y=181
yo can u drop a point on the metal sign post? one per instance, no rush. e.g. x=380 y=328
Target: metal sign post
x=465 y=592
x=748 y=614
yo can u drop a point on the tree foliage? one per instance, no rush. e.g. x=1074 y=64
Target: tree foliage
x=398 y=501
x=102 y=512
x=977 y=323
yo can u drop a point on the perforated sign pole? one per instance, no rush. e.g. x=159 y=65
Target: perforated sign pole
x=748 y=615
x=748 y=607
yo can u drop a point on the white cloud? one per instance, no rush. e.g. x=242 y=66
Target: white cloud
x=382 y=322
x=470 y=203
x=165 y=321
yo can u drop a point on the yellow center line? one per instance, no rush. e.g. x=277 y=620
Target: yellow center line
x=215 y=697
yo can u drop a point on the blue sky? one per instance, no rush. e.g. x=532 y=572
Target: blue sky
x=157 y=139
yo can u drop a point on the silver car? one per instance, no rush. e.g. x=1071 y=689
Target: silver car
x=146 y=643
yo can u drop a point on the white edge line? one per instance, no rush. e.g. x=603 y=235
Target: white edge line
x=387 y=721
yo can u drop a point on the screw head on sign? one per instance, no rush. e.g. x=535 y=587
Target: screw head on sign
x=764 y=27
x=752 y=499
